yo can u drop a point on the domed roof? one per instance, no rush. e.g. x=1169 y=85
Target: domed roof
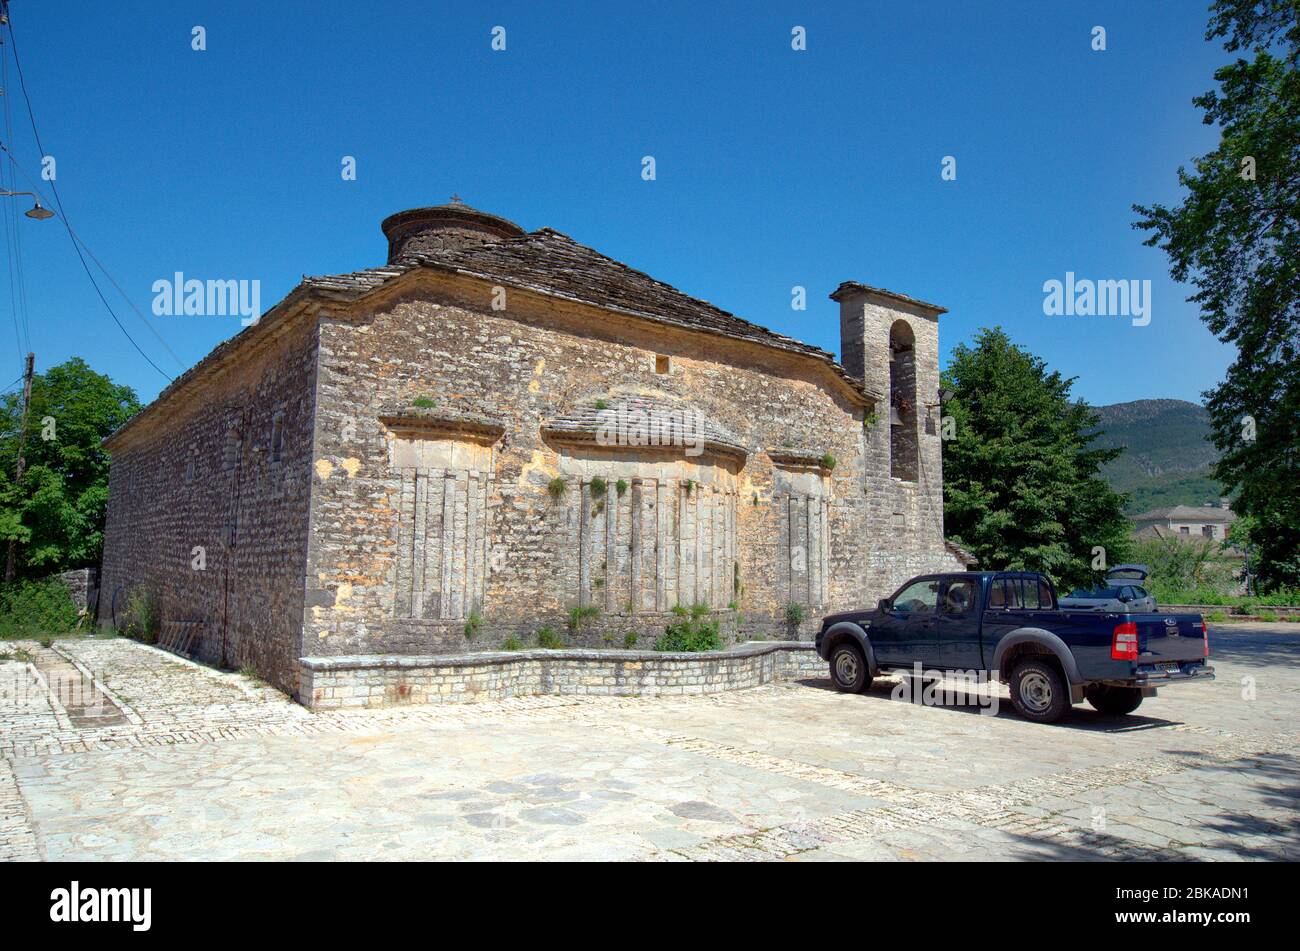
x=444 y=227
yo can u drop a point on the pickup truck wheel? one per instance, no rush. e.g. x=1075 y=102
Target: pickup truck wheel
x=1115 y=701
x=849 y=669
x=1039 y=692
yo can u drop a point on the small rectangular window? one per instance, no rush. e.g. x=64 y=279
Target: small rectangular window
x=662 y=363
x=230 y=457
x=277 y=436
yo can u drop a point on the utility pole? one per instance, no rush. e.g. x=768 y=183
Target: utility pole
x=11 y=560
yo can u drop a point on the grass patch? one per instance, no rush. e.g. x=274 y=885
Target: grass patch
x=512 y=643
x=424 y=402
x=579 y=616
x=549 y=639
x=555 y=488
x=472 y=624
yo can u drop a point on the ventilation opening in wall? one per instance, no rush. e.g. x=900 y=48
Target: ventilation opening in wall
x=662 y=363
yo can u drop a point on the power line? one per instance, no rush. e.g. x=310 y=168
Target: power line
x=35 y=186
x=13 y=42
x=13 y=260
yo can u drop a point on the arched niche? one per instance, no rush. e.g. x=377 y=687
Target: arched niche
x=903 y=436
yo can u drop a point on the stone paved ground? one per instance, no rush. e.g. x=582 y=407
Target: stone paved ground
x=146 y=756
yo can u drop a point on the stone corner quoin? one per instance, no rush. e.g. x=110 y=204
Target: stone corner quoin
x=425 y=458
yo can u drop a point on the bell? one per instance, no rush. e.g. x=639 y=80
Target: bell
x=894 y=418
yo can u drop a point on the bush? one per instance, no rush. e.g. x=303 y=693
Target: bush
x=795 y=614
x=556 y=488
x=692 y=633
x=512 y=643
x=143 y=616
x=1169 y=594
x=36 y=608
x=548 y=638
x=598 y=487
x=827 y=461
x=629 y=639
x=1279 y=598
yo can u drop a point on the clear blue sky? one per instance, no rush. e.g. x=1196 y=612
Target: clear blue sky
x=775 y=167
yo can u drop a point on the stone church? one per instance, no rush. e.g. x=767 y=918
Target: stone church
x=501 y=426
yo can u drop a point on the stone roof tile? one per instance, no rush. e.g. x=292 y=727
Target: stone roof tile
x=555 y=264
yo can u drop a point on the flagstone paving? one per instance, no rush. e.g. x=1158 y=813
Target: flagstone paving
x=111 y=750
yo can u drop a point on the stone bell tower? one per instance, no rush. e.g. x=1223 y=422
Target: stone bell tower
x=891 y=342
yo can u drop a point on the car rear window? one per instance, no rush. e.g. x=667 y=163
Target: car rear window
x=1096 y=593
x=1020 y=594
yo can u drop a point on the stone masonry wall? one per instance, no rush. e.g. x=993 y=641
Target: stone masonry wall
x=205 y=478
x=343 y=682
x=82 y=585
x=442 y=344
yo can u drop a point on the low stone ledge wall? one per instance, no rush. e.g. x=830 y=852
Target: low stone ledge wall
x=381 y=680
x=1261 y=612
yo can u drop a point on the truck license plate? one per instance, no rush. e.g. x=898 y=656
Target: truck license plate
x=1170 y=668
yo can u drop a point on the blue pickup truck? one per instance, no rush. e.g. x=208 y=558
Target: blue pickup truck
x=1008 y=623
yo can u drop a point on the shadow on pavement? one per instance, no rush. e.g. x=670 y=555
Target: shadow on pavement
x=1081 y=717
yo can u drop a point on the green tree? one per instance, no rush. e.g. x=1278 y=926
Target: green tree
x=56 y=513
x=1236 y=238
x=1021 y=485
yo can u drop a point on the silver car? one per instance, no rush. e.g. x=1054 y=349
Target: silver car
x=1122 y=594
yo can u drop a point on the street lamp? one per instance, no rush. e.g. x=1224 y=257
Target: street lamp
x=38 y=212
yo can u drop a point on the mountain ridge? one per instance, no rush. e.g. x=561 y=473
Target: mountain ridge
x=1168 y=458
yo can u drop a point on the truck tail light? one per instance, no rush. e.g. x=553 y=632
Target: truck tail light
x=1124 y=641
x=1205 y=637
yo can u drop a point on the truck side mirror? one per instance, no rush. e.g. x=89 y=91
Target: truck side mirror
x=883 y=606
